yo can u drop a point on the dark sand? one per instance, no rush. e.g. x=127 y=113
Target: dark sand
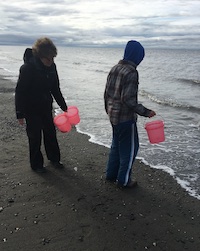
x=75 y=209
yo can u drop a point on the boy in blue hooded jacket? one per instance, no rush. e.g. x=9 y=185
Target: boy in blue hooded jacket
x=121 y=105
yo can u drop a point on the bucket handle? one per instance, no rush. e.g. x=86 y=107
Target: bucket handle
x=157 y=115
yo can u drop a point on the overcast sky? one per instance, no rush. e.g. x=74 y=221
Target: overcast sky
x=174 y=23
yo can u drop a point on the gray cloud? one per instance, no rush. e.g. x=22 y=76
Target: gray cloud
x=101 y=23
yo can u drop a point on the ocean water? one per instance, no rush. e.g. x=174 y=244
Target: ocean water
x=169 y=84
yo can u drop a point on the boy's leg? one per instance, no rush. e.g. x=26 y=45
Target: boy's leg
x=128 y=148
x=114 y=160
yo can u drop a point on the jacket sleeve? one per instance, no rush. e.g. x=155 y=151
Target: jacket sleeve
x=130 y=95
x=25 y=76
x=56 y=92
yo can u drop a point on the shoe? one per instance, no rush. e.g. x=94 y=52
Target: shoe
x=39 y=170
x=131 y=184
x=57 y=164
x=111 y=180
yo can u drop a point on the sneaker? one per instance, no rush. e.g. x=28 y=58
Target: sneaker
x=57 y=164
x=131 y=184
x=110 y=180
x=39 y=170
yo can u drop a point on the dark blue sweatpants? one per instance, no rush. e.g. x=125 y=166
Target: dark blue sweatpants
x=124 y=148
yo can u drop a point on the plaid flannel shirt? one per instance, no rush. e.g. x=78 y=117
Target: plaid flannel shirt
x=121 y=94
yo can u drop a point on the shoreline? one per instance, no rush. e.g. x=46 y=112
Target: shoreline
x=75 y=209
x=167 y=170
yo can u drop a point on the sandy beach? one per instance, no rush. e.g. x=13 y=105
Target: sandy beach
x=74 y=209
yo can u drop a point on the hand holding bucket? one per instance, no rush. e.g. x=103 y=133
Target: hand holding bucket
x=66 y=120
x=155 y=131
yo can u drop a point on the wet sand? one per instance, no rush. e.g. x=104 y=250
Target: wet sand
x=75 y=209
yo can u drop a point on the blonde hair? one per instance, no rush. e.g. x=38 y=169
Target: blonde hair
x=44 y=47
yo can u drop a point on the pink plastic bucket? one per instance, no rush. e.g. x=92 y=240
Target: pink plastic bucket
x=62 y=122
x=155 y=131
x=73 y=115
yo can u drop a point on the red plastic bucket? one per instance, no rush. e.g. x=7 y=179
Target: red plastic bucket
x=62 y=122
x=73 y=115
x=155 y=131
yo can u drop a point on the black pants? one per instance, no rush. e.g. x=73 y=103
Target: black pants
x=36 y=127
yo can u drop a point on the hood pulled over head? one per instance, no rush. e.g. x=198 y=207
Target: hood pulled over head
x=27 y=55
x=134 y=52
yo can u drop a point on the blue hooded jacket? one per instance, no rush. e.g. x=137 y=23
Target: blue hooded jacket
x=134 y=52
